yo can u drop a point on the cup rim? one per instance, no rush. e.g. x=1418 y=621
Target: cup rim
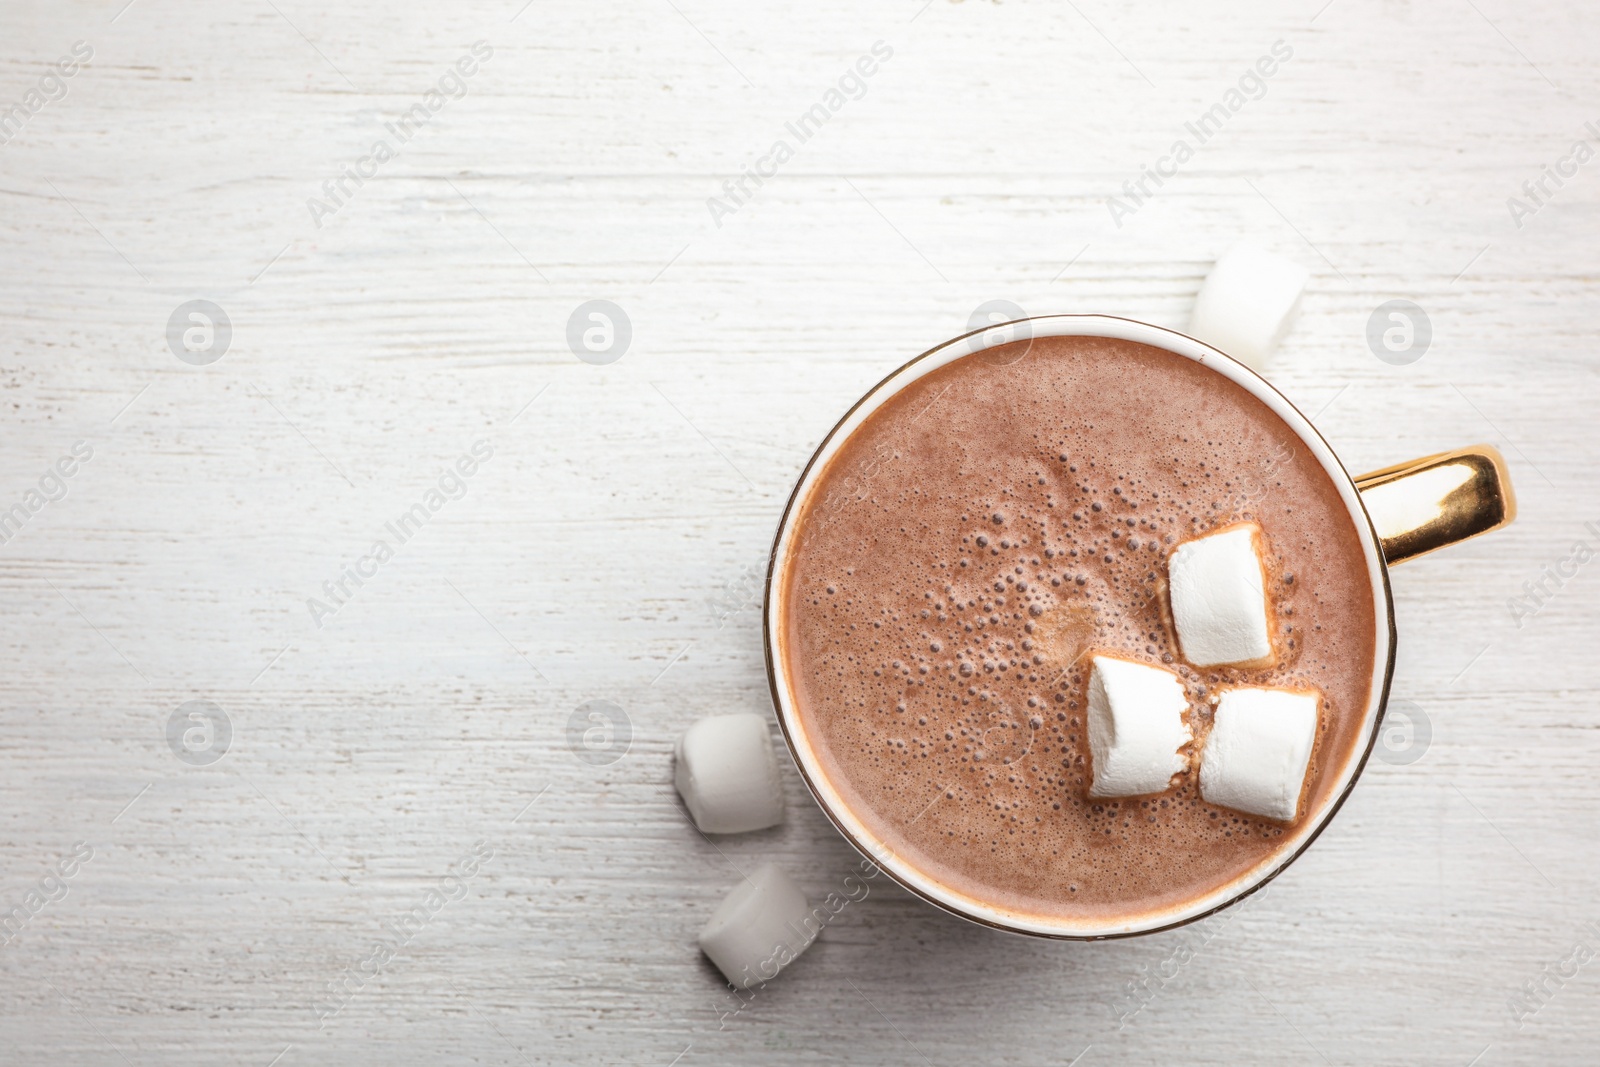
x=971 y=908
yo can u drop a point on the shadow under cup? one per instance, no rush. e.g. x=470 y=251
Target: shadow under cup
x=1414 y=507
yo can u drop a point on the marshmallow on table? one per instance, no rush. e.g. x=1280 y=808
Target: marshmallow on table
x=728 y=775
x=1135 y=728
x=1219 y=599
x=1245 y=306
x=762 y=925
x=1255 y=757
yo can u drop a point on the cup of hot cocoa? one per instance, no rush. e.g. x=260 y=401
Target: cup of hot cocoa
x=1079 y=629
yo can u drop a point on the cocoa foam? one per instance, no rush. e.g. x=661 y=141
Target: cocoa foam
x=982 y=531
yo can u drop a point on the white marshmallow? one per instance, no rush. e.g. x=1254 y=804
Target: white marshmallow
x=1255 y=757
x=1247 y=302
x=1219 y=599
x=728 y=775
x=1135 y=728
x=762 y=925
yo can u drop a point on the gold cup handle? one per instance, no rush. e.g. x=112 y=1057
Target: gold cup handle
x=1436 y=501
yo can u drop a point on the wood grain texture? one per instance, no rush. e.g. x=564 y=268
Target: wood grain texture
x=606 y=550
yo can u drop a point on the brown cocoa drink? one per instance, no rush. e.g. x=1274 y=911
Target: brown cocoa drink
x=984 y=531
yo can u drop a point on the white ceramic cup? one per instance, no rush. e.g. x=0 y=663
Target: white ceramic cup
x=1405 y=521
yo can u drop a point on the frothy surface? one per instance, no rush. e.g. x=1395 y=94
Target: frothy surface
x=984 y=530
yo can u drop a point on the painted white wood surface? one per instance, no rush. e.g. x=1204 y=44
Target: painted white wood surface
x=606 y=550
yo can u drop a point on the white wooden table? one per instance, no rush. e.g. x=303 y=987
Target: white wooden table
x=607 y=550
